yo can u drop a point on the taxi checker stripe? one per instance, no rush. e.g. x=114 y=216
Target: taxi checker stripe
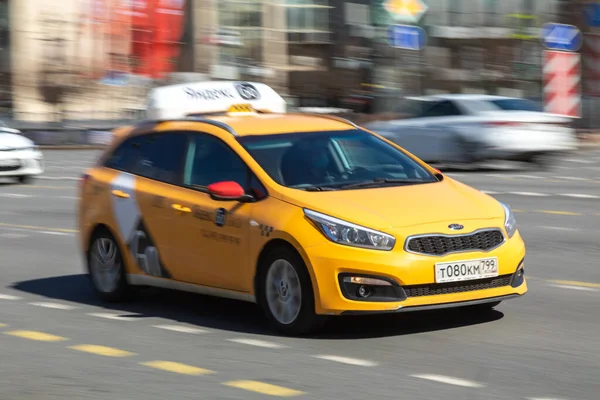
x=562 y=83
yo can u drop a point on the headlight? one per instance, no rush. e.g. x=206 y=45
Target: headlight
x=510 y=223
x=347 y=233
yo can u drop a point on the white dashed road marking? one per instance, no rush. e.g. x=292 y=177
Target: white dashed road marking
x=56 y=233
x=449 y=380
x=580 y=288
x=14 y=235
x=9 y=297
x=56 y=306
x=258 y=343
x=571 y=178
x=529 y=194
x=15 y=195
x=560 y=228
x=581 y=195
x=180 y=328
x=348 y=360
x=118 y=317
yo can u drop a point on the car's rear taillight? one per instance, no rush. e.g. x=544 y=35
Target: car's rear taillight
x=84 y=179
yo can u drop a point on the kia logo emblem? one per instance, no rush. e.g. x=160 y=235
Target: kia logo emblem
x=247 y=91
x=455 y=227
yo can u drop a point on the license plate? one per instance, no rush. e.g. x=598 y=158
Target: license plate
x=466 y=270
x=9 y=163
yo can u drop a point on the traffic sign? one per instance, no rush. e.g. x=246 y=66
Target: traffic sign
x=592 y=14
x=407 y=37
x=406 y=10
x=561 y=37
x=562 y=83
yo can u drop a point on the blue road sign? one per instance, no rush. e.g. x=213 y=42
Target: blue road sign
x=407 y=37
x=561 y=37
x=592 y=14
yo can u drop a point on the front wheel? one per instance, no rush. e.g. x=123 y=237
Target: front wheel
x=25 y=179
x=285 y=293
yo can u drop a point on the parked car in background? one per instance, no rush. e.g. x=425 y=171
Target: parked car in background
x=19 y=156
x=466 y=128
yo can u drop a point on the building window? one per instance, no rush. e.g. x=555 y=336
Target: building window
x=240 y=32
x=307 y=20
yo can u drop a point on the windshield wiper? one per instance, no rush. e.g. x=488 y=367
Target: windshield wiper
x=315 y=188
x=379 y=181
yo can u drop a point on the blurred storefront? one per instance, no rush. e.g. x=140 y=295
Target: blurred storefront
x=90 y=59
x=5 y=70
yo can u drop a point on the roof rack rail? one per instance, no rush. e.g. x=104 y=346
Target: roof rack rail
x=332 y=117
x=191 y=119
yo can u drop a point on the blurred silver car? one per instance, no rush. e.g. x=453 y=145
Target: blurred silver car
x=467 y=128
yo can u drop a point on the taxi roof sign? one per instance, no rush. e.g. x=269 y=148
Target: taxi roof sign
x=182 y=100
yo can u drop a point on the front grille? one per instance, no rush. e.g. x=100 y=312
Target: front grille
x=8 y=169
x=437 y=245
x=433 y=289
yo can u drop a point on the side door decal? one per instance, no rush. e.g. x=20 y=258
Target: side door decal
x=132 y=228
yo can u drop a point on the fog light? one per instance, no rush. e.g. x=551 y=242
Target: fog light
x=519 y=275
x=364 y=291
x=370 y=288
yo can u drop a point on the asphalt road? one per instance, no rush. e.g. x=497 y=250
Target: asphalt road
x=57 y=341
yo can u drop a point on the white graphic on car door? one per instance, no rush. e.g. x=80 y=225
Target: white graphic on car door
x=132 y=228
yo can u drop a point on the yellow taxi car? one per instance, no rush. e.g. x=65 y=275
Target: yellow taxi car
x=222 y=192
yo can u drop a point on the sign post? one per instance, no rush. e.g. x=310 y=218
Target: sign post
x=406 y=34
x=562 y=69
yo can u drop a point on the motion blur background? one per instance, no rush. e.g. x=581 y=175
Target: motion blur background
x=91 y=62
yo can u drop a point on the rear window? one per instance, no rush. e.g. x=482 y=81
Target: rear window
x=518 y=105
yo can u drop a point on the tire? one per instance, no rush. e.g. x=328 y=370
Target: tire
x=25 y=179
x=107 y=268
x=543 y=162
x=301 y=318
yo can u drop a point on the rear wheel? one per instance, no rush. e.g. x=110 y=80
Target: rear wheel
x=107 y=269
x=285 y=293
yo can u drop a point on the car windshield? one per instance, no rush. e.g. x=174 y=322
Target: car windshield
x=334 y=160
x=518 y=105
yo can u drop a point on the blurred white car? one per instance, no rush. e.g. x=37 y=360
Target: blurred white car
x=465 y=128
x=19 y=157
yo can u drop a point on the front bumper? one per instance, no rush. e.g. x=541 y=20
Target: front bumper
x=21 y=162
x=413 y=278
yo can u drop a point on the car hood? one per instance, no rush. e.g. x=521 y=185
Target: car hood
x=401 y=206
x=13 y=141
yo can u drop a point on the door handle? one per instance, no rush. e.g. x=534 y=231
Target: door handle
x=121 y=194
x=180 y=208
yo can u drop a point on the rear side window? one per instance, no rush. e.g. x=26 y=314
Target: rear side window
x=162 y=156
x=125 y=156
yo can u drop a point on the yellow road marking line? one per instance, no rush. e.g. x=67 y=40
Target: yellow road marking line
x=558 y=212
x=264 y=388
x=33 y=335
x=519 y=211
x=102 y=350
x=40 y=228
x=2 y=325
x=177 y=368
x=576 y=283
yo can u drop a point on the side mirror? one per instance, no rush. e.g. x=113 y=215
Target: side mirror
x=228 y=191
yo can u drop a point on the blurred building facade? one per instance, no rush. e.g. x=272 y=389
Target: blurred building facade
x=110 y=52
